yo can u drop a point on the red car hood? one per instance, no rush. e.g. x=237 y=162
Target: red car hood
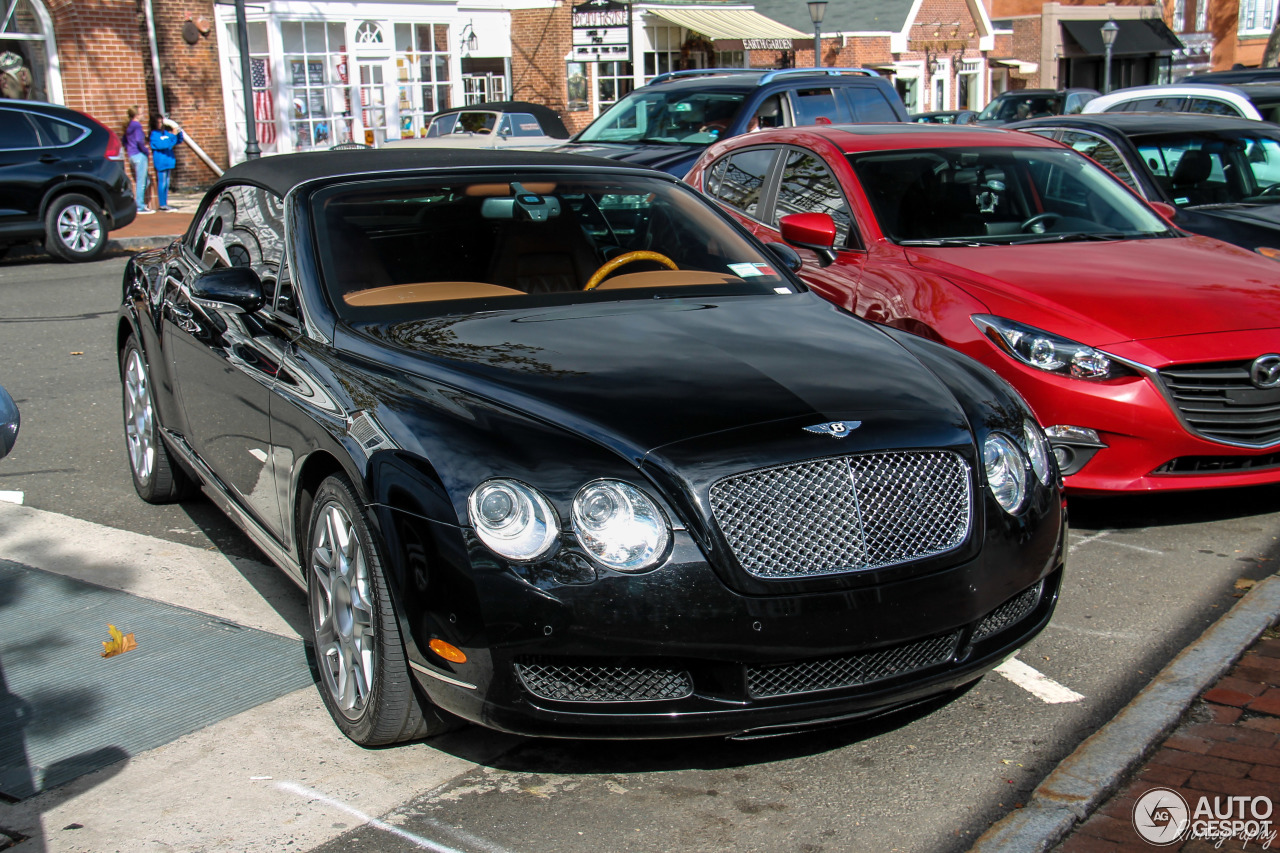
x=1106 y=293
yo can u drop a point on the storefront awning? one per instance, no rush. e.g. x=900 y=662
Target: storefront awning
x=1023 y=66
x=718 y=24
x=1143 y=35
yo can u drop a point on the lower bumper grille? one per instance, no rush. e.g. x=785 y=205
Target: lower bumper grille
x=850 y=670
x=563 y=682
x=1213 y=464
x=1012 y=611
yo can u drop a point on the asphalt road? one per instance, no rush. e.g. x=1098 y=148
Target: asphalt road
x=1145 y=577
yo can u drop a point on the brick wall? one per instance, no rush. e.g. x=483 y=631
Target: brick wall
x=192 y=84
x=1026 y=46
x=540 y=40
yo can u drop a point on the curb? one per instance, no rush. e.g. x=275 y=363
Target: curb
x=1097 y=768
x=115 y=246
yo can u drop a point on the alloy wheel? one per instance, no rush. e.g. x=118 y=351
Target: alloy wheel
x=79 y=228
x=342 y=611
x=139 y=418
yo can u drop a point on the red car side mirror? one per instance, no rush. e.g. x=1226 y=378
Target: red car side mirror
x=1166 y=210
x=814 y=231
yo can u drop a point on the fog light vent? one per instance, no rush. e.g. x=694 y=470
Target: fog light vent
x=565 y=682
x=1012 y=611
x=850 y=670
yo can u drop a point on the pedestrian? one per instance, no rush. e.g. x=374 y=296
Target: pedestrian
x=164 y=144
x=136 y=149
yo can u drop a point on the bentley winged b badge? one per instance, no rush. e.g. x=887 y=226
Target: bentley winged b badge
x=835 y=429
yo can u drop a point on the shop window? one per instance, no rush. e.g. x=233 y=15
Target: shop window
x=664 y=54
x=262 y=82
x=422 y=69
x=315 y=60
x=24 y=59
x=613 y=80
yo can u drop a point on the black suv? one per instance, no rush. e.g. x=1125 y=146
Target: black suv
x=667 y=123
x=1019 y=104
x=62 y=180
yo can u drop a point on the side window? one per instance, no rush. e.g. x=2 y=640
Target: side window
x=16 y=131
x=809 y=187
x=243 y=227
x=208 y=245
x=768 y=114
x=522 y=124
x=1076 y=102
x=57 y=132
x=1212 y=106
x=285 y=302
x=870 y=104
x=819 y=106
x=1102 y=151
x=738 y=180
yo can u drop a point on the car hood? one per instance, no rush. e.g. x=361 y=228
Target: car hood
x=640 y=374
x=1105 y=293
x=672 y=159
x=1266 y=215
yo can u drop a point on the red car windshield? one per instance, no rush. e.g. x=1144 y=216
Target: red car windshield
x=999 y=195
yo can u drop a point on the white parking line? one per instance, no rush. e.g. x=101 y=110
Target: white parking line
x=12 y=497
x=416 y=840
x=1037 y=683
x=1102 y=536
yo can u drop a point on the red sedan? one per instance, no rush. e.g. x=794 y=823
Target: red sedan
x=1151 y=356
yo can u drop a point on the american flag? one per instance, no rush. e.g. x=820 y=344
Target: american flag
x=264 y=108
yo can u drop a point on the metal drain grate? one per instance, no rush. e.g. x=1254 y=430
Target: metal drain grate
x=850 y=670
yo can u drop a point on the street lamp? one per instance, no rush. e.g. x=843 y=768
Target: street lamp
x=1109 y=31
x=817 y=9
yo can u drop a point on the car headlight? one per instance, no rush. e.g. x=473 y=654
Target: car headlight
x=1049 y=352
x=1007 y=471
x=1037 y=450
x=514 y=520
x=619 y=525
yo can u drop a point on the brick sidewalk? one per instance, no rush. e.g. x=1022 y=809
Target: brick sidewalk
x=1228 y=746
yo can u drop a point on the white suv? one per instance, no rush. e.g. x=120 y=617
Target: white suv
x=1257 y=101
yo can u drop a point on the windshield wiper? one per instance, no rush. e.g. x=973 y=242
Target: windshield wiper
x=1071 y=236
x=948 y=241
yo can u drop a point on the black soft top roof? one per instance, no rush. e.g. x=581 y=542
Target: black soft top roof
x=1140 y=124
x=281 y=173
x=547 y=117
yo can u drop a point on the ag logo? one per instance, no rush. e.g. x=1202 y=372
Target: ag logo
x=1265 y=372
x=1161 y=816
x=835 y=429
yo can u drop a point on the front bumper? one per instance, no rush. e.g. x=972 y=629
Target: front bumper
x=704 y=651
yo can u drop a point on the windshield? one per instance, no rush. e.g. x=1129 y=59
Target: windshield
x=1215 y=168
x=1016 y=108
x=392 y=248
x=999 y=195
x=664 y=116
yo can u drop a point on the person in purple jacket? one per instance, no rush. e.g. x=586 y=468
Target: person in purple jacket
x=137 y=150
x=163 y=143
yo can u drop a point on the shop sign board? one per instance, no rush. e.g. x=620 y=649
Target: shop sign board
x=602 y=31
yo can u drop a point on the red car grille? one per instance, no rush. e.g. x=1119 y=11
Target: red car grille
x=1219 y=402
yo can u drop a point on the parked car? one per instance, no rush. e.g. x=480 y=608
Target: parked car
x=9 y=421
x=1149 y=354
x=1257 y=101
x=946 y=117
x=557 y=448
x=1221 y=174
x=667 y=124
x=1018 y=104
x=498 y=124
x=1235 y=75
x=62 y=180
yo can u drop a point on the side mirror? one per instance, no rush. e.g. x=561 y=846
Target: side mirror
x=8 y=423
x=1168 y=211
x=786 y=255
x=237 y=286
x=815 y=231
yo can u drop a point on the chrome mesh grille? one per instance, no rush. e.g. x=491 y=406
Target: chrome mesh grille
x=845 y=513
x=851 y=670
x=1219 y=402
x=564 y=682
x=1013 y=610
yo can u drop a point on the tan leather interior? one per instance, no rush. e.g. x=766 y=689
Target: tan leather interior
x=666 y=278
x=503 y=190
x=428 y=291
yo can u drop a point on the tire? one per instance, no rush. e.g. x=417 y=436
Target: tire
x=157 y=478
x=364 y=675
x=74 y=228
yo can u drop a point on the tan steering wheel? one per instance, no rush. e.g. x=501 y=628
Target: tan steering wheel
x=624 y=259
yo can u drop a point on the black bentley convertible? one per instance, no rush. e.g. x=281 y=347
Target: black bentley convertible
x=557 y=448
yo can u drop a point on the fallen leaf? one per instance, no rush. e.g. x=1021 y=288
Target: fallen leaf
x=1245 y=583
x=77 y=352
x=119 y=643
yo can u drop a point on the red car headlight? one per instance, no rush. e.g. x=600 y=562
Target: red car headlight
x=1049 y=352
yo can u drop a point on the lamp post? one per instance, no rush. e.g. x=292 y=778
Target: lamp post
x=1109 y=31
x=251 y=149
x=817 y=10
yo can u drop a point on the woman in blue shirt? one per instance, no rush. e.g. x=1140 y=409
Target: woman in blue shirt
x=163 y=144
